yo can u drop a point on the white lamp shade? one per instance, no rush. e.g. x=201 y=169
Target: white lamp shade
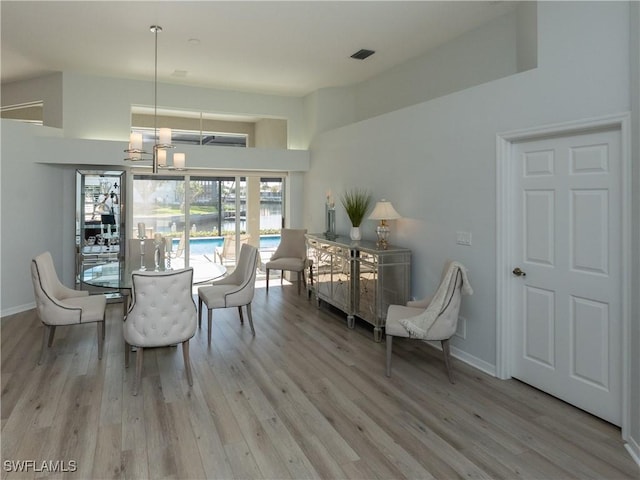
x=135 y=141
x=165 y=136
x=162 y=158
x=384 y=211
x=178 y=160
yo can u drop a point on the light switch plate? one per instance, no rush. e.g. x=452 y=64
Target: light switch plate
x=463 y=238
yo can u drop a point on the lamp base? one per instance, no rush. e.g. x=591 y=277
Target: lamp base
x=382 y=231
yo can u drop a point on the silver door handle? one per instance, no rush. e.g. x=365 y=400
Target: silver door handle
x=519 y=273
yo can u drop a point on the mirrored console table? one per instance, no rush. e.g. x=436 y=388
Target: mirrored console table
x=359 y=278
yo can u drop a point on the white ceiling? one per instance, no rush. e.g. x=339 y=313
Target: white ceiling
x=290 y=47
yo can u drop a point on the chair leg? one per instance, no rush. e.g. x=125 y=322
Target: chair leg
x=209 y=319
x=45 y=336
x=241 y=316
x=199 y=312
x=281 y=277
x=101 y=332
x=52 y=332
x=299 y=282
x=253 y=332
x=127 y=349
x=267 y=280
x=389 y=348
x=187 y=363
x=136 y=382
x=447 y=359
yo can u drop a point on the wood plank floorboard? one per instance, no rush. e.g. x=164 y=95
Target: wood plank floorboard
x=305 y=398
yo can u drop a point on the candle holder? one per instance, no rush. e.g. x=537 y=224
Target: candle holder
x=168 y=248
x=330 y=219
x=157 y=241
x=142 y=265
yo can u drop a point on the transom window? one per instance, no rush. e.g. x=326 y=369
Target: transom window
x=195 y=137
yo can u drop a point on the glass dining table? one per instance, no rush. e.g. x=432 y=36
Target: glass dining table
x=117 y=276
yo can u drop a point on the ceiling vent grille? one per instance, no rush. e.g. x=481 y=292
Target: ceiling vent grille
x=362 y=54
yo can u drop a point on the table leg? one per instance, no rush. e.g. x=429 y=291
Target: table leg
x=351 y=321
x=377 y=334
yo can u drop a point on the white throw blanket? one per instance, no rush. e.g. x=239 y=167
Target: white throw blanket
x=419 y=326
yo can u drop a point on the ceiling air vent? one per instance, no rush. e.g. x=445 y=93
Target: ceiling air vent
x=362 y=54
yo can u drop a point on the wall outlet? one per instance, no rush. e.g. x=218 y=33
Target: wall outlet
x=463 y=238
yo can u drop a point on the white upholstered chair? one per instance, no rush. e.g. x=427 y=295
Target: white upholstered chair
x=433 y=318
x=234 y=290
x=163 y=313
x=58 y=305
x=179 y=249
x=226 y=254
x=291 y=255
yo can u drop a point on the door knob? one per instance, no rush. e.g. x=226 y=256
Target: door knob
x=519 y=273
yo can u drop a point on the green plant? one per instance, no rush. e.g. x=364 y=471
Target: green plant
x=356 y=202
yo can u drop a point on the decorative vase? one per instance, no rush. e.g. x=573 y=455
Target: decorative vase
x=355 y=233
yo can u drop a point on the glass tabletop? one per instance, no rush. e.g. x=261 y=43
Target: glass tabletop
x=117 y=274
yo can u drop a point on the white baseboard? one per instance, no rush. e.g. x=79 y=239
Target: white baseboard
x=18 y=309
x=475 y=362
x=634 y=450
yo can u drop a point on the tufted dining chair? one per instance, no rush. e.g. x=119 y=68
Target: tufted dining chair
x=162 y=313
x=57 y=304
x=235 y=290
x=291 y=255
x=433 y=318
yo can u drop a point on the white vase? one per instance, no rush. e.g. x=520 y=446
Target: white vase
x=355 y=233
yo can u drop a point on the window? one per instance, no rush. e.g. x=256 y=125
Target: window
x=200 y=128
x=195 y=137
x=209 y=217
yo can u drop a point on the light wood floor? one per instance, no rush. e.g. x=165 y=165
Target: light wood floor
x=304 y=398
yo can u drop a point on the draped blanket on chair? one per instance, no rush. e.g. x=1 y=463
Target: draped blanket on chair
x=418 y=326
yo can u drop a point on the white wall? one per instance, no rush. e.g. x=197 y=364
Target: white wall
x=86 y=94
x=436 y=160
x=47 y=89
x=329 y=108
x=634 y=434
x=484 y=54
x=271 y=133
x=527 y=35
x=100 y=107
x=33 y=200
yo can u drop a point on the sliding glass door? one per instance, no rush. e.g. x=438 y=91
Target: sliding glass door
x=208 y=218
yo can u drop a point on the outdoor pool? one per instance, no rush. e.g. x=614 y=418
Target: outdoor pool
x=207 y=245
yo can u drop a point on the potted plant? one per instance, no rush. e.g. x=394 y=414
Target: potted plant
x=356 y=202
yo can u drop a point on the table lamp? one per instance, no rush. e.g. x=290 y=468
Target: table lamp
x=383 y=211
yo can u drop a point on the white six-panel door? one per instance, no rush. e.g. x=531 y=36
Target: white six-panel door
x=567 y=305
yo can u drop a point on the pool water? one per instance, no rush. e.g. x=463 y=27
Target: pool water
x=207 y=245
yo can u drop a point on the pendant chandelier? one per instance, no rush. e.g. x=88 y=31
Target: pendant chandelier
x=162 y=136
